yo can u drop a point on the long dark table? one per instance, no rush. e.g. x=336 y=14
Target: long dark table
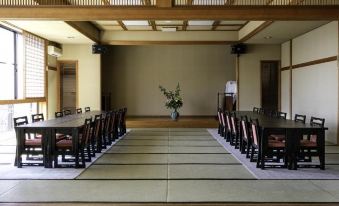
x=292 y=131
x=70 y=124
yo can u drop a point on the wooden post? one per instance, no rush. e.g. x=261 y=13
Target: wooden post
x=237 y=63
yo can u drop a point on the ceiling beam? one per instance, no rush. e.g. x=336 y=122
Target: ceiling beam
x=215 y=25
x=123 y=26
x=151 y=22
x=106 y=2
x=86 y=28
x=73 y=13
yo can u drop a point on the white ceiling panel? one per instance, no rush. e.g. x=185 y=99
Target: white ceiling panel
x=200 y=23
x=136 y=23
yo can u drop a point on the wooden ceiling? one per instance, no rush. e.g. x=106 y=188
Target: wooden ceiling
x=176 y=25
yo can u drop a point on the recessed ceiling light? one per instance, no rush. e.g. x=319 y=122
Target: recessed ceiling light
x=268 y=37
x=70 y=37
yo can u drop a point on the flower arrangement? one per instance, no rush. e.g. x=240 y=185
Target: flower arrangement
x=174 y=100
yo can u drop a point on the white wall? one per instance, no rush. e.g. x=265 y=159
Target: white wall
x=89 y=75
x=249 y=73
x=314 y=88
x=52 y=93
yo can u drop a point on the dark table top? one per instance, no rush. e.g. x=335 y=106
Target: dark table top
x=75 y=120
x=269 y=122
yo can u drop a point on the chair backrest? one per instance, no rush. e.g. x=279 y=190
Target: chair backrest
x=97 y=126
x=107 y=122
x=254 y=131
x=261 y=111
x=59 y=114
x=317 y=121
x=300 y=118
x=244 y=127
x=79 y=111
x=18 y=121
x=219 y=116
x=67 y=112
x=234 y=123
x=87 y=109
x=228 y=122
x=282 y=115
x=256 y=109
x=86 y=131
x=38 y=117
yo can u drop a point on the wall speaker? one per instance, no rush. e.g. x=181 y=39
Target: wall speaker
x=238 y=49
x=99 y=49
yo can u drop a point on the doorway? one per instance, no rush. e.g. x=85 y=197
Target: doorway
x=270 y=85
x=68 y=84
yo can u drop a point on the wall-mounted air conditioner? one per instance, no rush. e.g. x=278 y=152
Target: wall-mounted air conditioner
x=54 y=51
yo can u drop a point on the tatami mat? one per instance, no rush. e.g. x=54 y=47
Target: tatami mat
x=200 y=171
x=205 y=133
x=132 y=159
x=202 y=159
x=330 y=158
x=140 y=149
x=128 y=142
x=7 y=149
x=246 y=191
x=201 y=150
x=87 y=191
x=139 y=137
x=125 y=172
x=193 y=143
x=332 y=149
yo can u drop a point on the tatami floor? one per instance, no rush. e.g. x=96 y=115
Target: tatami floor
x=165 y=165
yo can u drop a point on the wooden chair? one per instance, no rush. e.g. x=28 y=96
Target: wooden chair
x=220 y=126
x=30 y=146
x=271 y=149
x=227 y=120
x=310 y=146
x=67 y=112
x=245 y=144
x=79 y=111
x=281 y=137
x=97 y=136
x=38 y=117
x=262 y=111
x=234 y=131
x=59 y=114
x=106 y=128
x=281 y=115
x=87 y=109
x=65 y=147
x=255 y=109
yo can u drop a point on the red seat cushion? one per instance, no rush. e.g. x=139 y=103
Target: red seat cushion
x=59 y=137
x=64 y=144
x=278 y=137
x=33 y=142
x=276 y=144
x=308 y=143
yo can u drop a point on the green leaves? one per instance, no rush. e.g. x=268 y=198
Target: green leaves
x=174 y=100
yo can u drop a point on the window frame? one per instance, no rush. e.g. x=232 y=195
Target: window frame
x=25 y=99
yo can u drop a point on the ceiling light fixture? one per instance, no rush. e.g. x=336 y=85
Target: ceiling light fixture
x=268 y=37
x=70 y=37
x=169 y=29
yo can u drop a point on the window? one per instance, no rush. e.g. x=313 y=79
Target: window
x=22 y=65
x=7 y=64
x=35 y=66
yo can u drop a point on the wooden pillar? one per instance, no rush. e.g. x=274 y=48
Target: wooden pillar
x=291 y=84
x=237 y=63
x=164 y=3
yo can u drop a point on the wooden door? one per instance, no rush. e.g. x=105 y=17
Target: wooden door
x=269 y=85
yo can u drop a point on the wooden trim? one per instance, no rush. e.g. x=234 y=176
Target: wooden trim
x=93 y=13
x=318 y=61
x=164 y=3
x=169 y=42
x=338 y=90
x=311 y=63
x=238 y=80
x=285 y=68
x=291 y=83
x=52 y=68
x=76 y=82
x=256 y=31
x=20 y=101
x=122 y=25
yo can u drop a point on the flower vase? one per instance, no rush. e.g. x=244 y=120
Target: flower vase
x=175 y=115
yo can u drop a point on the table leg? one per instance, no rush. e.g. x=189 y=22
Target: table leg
x=19 y=146
x=292 y=145
x=75 y=136
x=262 y=148
x=321 y=143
